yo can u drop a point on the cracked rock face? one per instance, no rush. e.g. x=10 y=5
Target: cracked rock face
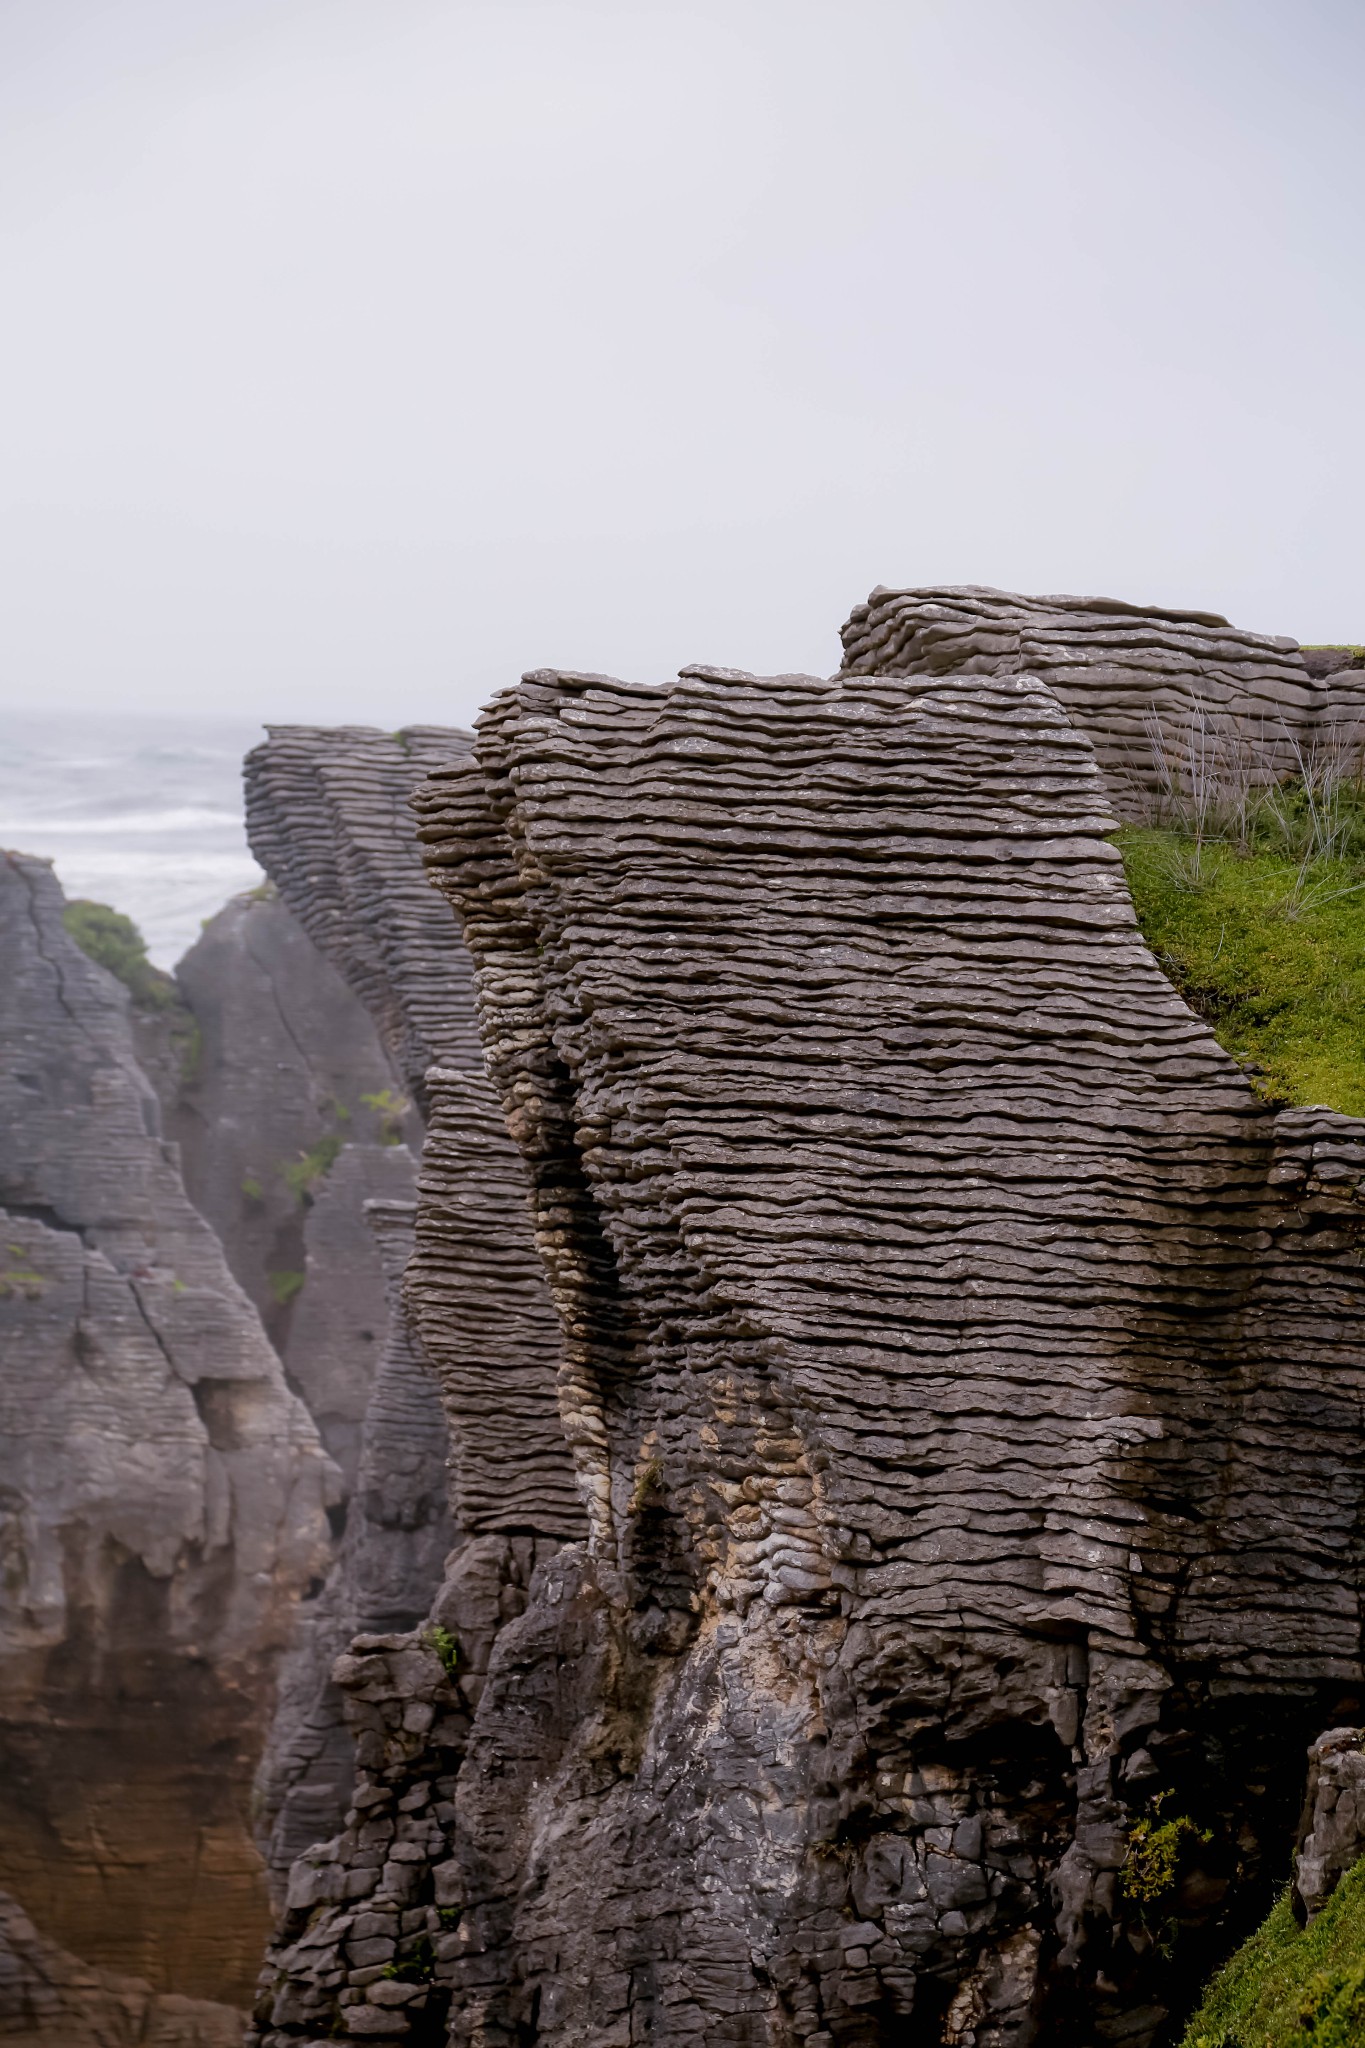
x=162 y=1498
x=961 y=1364
x=274 y=1066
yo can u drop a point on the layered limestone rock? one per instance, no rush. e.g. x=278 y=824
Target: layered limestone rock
x=963 y=1368
x=1157 y=691
x=163 y=1498
x=329 y=817
x=344 y=1312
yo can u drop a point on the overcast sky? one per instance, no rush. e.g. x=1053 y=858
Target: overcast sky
x=359 y=354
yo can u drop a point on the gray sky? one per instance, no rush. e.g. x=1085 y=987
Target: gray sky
x=358 y=354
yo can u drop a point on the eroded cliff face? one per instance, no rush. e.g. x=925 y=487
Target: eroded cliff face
x=962 y=1370
x=163 y=1498
x=329 y=815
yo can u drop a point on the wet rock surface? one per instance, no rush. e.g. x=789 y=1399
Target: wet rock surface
x=163 y=1498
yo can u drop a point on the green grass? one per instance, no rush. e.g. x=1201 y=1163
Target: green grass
x=1268 y=944
x=1289 y=1987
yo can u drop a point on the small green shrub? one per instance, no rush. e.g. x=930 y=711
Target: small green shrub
x=302 y=1175
x=1158 y=1853
x=648 y=1480
x=114 y=941
x=417 y=1968
x=251 y=1188
x=285 y=1285
x=445 y=1646
x=391 y=1108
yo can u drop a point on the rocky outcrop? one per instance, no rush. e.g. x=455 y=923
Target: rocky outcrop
x=265 y=1069
x=962 y=1369
x=962 y=1364
x=344 y=1306
x=289 y=1117
x=328 y=819
x=1157 y=691
x=1332 y=1832
x=162 y=1498
x=51 y=1999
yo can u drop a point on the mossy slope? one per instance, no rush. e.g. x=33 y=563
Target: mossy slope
x=1292 y=1987
x=1270 y=949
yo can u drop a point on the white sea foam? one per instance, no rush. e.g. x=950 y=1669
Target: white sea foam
x=144 y=815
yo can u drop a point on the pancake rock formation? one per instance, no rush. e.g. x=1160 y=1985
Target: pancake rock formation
x=1160 y=693
x=961 y=1368
x=329 y=817
x=163 y=1500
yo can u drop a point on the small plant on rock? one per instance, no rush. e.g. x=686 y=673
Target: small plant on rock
x=445 y=1646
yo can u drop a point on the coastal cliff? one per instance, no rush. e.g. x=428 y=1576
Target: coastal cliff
x=961 y=1364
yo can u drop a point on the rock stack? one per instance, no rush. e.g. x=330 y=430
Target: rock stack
x=163 y=1500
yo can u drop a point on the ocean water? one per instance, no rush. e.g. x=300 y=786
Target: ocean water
x=139 y=812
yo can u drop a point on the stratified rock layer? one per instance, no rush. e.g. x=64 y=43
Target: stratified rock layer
x=962 y=1365
x=1128 y=675
x=329 y=817
x=162 y=1497
x=397 y=1535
